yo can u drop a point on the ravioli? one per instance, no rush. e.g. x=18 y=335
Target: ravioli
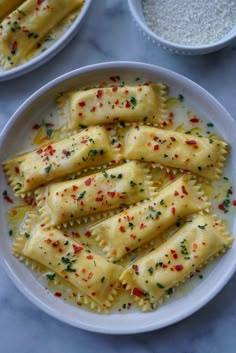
x=24 y=28
x=7 y=6
x=89 y=148
x=73 y=200
x=199 y=155
x=89 y=272
x=137 y=225
x=145 y=103
x=153 y=277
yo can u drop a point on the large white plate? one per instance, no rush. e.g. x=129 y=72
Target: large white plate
x=133 y=321
x=52 y=50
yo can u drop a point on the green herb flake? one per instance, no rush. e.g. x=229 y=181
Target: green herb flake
x=159 y=285
x=48 y=168
x=51 y=276
x=150 y=270
x=202 y=227
x=132 y=183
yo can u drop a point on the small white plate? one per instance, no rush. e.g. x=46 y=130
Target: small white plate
x=52 y=50
x=39 y=105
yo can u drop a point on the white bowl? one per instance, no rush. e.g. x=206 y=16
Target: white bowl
x=40 y=105
x=137 y=13
x=54 y=48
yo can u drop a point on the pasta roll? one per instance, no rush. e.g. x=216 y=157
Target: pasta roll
x=139 y=224
x=86 y=270
x=199 y=155
x=144 y=103
x=89 y=148
x=67 y=201
x=6 y=7
x=153 y=277
x=23 y=30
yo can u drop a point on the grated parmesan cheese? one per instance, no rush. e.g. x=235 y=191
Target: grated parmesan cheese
x=188 y=22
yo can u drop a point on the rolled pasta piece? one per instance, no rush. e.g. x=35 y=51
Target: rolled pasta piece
x=145 y=103
x=153 y=277
x=6 y=7
x=89 y=148
x=23 y=30
x=89 y=272
x=139 y=224
x=67 y=201
x=199 y=155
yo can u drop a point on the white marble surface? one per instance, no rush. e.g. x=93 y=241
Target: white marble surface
x=109 y=34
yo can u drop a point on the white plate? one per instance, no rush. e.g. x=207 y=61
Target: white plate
x=48 y=54
x=180 y=306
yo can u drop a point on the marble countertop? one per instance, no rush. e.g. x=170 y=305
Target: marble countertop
x=109 y=34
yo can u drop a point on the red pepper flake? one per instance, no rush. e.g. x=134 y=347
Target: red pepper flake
x=175 y=256
x=122 y=229
x=173 y=138
x=90 y=275
x=93 y=109
x=234 y=202
x=114 y=89
x=6 y=197
x=88 y=234
x=40 y=150
x=176 y=193
x=39 y=2
x=173 y=210
x=36 y=127
x=191 y=142
x=128 y=104
x=93 y=294
x=88 y=181
x=74 y=187
x=99 y=93
x=142 y=226
x=179 y=268
x=17 y=170
x=137 y=292
x=112 y=78
x=221 y=207
x=14 y=46
x=55 y=243
x=57 y=294
x=184 y=191
x=82 y=104
x=77 y=249
x=89 y=257
x=49 y=150
x=194 y=120
x=171 y=114
x=117 y=102
x=111 y=193
x=156 y=147
x=127 y=249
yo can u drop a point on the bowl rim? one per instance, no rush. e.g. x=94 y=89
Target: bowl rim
x=107 y=66
x=175 y=46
